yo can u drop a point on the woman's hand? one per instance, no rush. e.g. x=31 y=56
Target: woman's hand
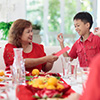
x=97 y=31
x=60 y=38
x=51 y=58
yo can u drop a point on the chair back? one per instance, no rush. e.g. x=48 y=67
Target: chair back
x=57 y=67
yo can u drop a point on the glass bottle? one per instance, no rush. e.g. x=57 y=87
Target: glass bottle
x=18 y=68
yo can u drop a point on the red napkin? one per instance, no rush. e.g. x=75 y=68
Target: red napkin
x=8 y=72
x=22 y=93
x=7 y=68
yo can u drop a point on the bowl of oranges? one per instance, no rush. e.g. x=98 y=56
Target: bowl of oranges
x=51 y=83
x=46 y=86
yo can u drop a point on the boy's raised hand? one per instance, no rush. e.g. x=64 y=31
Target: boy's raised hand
x=60 y=38
x=97 y=31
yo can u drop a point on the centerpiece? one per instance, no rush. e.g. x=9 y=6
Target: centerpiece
x=43 y=85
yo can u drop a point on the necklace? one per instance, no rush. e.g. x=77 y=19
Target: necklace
x=27 y=48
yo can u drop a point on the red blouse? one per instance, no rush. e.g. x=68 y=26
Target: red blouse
x=37 y=52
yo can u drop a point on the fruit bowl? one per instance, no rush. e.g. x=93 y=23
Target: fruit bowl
x=48 y=85
x=43 y=86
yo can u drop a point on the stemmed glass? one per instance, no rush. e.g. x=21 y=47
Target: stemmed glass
x=72 y=71
x=85 y=72
x=65 y=66
x=3 y=91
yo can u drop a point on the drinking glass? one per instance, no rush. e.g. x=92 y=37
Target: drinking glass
x=73 y=71
x=65 y=66
x=3 y=91
x=79 y=76
x=85 y=72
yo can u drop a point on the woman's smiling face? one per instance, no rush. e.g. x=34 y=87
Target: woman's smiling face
x=27 y=35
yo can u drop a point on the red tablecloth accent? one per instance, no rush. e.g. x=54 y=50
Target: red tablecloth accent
x=22 y=93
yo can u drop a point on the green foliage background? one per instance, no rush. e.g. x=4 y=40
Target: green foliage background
x=4 y=28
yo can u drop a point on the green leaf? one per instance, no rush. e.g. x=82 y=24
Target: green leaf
x=28 y=78
x=37 y=97
x=57 y=77
x=5 y=29
x=58 y=95
x=3 y=25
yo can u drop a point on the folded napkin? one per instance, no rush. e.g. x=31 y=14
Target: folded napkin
x=22 y=93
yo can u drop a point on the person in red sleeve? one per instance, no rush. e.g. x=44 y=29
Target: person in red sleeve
x=20 y=36
x=88 y=45
x=92 y=90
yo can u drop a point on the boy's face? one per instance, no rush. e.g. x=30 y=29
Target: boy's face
x=81 y=27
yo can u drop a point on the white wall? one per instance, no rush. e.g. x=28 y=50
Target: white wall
x=2 y=45
x=98 y=13
x=11 y=10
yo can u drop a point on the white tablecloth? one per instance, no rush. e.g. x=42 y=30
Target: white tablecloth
x=77 y=86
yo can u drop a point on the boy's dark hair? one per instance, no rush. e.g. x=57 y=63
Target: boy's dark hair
x=85 y=17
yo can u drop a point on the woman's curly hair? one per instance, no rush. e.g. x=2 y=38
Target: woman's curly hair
x=16 y=31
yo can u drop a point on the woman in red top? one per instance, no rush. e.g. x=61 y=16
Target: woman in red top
x=20 y=36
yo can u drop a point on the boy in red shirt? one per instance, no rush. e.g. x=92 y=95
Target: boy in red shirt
x=88 y=45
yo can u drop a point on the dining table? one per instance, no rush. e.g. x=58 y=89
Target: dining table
x=12 y=91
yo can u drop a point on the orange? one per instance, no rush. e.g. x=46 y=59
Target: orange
x=45 y=85
x=2 y=72
x=60 y=86
x=52 y=81
x=35 y=85
x=41 y=86
x=35 y=72
x=51 y=87
x=39 y=81
x=1 y=79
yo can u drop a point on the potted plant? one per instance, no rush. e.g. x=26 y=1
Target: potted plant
x=4 y=29
x=36 y=31
x=36 y=28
